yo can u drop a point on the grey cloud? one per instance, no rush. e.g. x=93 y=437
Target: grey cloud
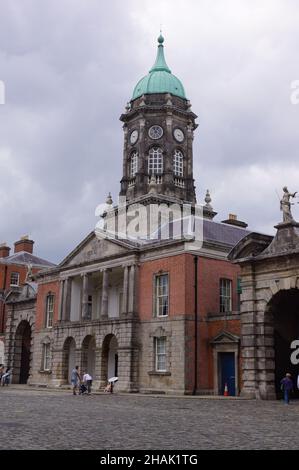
x=70 y=66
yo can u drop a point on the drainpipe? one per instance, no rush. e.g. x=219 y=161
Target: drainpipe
x=195 y=323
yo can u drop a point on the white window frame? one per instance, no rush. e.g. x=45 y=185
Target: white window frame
x=161 y=297
x=47 y=356
x=133 y=164
x=14 y=284
x=225 y=295
x=160 y=354
x=49 y=310
x=178 y=163
x=155 y=161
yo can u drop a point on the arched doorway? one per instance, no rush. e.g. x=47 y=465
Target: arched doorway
x=22 y=353
x=283 y=316
x=88 y=355
x=109 y=358
x=69 y=358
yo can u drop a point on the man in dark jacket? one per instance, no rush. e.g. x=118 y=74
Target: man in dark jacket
x=287 y=387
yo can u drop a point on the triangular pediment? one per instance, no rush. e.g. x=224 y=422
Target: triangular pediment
x=225 y=337
x=95 y=249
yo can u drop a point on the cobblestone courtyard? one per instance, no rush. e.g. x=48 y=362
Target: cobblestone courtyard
x=42 y=419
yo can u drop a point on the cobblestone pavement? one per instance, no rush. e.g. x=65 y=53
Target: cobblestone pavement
x=43 y=419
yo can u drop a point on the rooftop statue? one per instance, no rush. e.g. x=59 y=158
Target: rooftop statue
x=29 y=272
x=285 y=205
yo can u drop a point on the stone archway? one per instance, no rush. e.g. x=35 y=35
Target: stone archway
x=22 y=353
x=282 y=317
x=109 y=363
x=68 y=358
x=88 y=355
x=269 y=307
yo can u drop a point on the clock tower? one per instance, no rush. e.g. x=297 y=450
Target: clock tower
x=158 y=138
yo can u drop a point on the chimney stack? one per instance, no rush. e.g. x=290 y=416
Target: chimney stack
x=233 y=220
x=24 y=244
x=4 y=250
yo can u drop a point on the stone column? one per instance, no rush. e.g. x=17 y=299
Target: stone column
x=124 y=308
x=84 y=296
x=66 y=308
x=105 y=292
x=60 y=308
x=132 y=289
x=98 y=383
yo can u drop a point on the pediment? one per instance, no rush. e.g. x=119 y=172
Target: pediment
x=224 y=337
x=23 y=293
x=250 y=246
x=95 y=249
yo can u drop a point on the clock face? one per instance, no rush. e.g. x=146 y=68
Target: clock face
x=178 y=135
x=134 y=137
x=155 y=132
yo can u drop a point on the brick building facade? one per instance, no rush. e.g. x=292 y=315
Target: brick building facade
x=162 y=315
x=18 y=305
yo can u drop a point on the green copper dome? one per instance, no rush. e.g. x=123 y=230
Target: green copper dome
x=160 y=78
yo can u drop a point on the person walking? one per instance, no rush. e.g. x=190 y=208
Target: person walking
x=6 y=377
x=287 y=387
x=87 y=379
x=75 y=379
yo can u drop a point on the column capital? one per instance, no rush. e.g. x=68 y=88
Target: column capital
x=85 y=274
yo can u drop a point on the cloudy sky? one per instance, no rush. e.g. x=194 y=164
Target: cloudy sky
x=70 y=66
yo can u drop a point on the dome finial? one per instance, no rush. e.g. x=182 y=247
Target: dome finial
x=160 y=38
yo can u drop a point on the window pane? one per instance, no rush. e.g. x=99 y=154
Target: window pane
x=160 y=346
x=178 y=163
x=134 y=164
x=49 y=311
x=14 y=279
x=155 y=161
x=225 y=295
x=46 y=357
x=162 y=295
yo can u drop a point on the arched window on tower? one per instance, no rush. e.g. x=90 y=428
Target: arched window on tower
x=133 y=164
x=155 y=161
x=178 y=163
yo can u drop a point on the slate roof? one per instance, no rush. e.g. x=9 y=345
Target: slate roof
x=24 y=258
x=213 y=232
x=223 y=233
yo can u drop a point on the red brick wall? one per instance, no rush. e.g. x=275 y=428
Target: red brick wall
x=181 y=286
x=22 y=270
x=43 y=291
x=210 y=271
x=175 y=266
